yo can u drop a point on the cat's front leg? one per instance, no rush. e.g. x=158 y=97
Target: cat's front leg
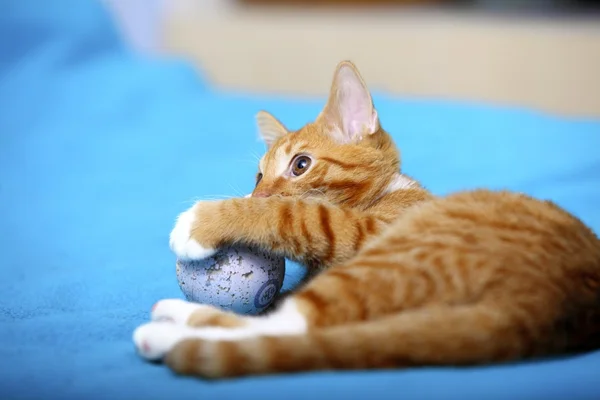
x=308 y=231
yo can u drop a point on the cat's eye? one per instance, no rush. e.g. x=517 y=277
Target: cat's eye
x=300 y=165
x=259 y=176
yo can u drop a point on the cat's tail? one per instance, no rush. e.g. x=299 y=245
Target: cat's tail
x=458 y=335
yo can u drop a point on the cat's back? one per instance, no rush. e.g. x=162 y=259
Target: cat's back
x=487 y=236
x=506 y=221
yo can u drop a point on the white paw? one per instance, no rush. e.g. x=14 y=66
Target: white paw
x=174 y=310
x=155 y=339
x=181 y=242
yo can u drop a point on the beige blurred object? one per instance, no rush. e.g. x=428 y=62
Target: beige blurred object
x=548 y=64
x=338 y=2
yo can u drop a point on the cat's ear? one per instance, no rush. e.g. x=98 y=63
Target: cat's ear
x=349 y=111
x=269 y=128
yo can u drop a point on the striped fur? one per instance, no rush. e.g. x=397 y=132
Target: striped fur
x=407 y=278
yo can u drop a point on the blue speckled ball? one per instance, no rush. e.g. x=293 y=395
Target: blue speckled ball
x=236 y=278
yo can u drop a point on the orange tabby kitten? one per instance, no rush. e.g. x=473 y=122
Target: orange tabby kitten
x=402 y=277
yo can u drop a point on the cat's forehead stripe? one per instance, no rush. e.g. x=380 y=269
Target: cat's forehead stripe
x=281 y=160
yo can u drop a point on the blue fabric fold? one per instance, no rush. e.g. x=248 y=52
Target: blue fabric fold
x=100 y=149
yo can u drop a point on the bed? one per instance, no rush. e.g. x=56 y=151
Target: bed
x=100 y=149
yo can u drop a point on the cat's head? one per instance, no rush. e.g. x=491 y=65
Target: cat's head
x=344 y=155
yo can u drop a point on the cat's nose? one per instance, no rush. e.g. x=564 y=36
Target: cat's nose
x=261 y=193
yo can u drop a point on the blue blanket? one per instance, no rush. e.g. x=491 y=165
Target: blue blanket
x=99 y=151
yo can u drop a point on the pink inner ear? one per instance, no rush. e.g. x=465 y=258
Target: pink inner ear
x=354 y=105
x=356 y=127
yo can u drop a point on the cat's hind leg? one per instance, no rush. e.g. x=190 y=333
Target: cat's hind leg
x=193 y=314
x=434 y=335
x=175 y=320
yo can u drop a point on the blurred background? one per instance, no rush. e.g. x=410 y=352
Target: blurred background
x=101 y=150
x=540 y=54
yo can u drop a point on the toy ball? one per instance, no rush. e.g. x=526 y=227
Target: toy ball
x=236 y=278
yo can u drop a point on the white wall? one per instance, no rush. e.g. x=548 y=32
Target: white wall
x=141 y=21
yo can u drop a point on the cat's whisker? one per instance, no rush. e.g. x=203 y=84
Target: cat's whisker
x=308 y=193
x=189 y=202
x=223 y=197
x=255 y=156
x=207 y=198
x=249 y=161
x=236 y=191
